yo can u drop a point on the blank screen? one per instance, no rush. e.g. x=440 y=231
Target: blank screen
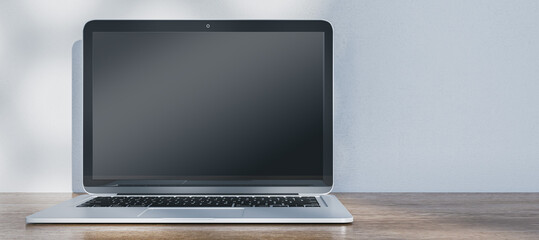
x=174 y=105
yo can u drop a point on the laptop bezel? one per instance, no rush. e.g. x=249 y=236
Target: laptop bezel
x=94 y=186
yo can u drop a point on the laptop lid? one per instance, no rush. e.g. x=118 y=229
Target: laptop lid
x=207 y=107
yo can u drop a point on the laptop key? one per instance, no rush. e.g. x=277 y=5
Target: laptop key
x=243 y=205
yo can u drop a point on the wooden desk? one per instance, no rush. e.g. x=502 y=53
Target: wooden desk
x=376 y=216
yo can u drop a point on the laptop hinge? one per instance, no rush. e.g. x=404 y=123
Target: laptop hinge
x=215 y=194
x=311 y=194
x=102 y=194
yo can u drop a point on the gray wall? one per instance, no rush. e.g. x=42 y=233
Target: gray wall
x=429 y=95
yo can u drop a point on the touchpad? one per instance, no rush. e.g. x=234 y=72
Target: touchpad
x=192 y=213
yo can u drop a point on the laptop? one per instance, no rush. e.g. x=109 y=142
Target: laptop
x=206 y=122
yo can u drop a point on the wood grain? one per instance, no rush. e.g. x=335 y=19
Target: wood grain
x=376 y=216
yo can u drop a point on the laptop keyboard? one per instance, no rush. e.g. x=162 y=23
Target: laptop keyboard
x=194 y=201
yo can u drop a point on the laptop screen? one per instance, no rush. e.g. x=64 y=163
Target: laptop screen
x=207 y=105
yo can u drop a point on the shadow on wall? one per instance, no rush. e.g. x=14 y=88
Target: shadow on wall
x=76 y=108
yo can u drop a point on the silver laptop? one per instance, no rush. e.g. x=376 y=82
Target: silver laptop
x=206 y=122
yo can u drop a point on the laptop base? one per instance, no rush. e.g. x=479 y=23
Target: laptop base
x=330 y=211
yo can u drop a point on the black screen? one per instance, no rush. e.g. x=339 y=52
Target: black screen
x=175 y=105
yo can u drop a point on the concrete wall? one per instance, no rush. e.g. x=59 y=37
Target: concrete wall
x=429 y=95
